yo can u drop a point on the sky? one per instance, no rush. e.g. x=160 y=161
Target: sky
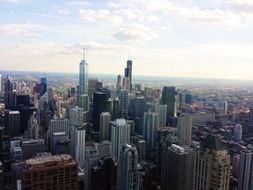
x=182 y=38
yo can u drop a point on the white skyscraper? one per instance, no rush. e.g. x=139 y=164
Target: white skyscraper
x=105 y=119
x=245 y=181
x=75 y=116
x=33 y=127
x=184 y=129
x=238 y=132
x=80 y=146
x=120 y=134
x=128 y=178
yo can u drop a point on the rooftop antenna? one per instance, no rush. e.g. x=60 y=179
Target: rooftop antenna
x=83 y=53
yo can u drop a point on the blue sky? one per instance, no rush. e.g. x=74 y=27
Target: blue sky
x=188 y=38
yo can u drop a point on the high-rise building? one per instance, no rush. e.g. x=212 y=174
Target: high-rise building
x=245 y=181
x=238 y=132
x=12 y=123
x=9 y=98
x=141 y=146
x=169 y=99
x=1 y=83
x=212 y=165
x=43 y=85
x=105 y=119
x=76 y=116
x=105 y=172
x=50 y=172
x=60 y=143
x=126 y=83
x=178 y=168
x=128 y=178
x=120 y=134
x=123 y=103
x=33 y=127
x=184 y=129
x=251 y=115
x=150 y=125
x=31 y=148
x=99 y=106
x=128 y=72
x=119 y=82
x=79 y=145
x=83 y=84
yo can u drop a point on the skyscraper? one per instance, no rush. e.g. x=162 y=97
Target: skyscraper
x=79 y=144
x=128 y=178
x=238 y=132
x=120 y=134
x=150 y=125
x=128 y=72
x=123 y=103
x=212 y=165
x=99 y=106
x=9 y=98
x=33 y=127
x=184 y=129
x=105 y=119
x=178 y=168
x=245 y=181
x=169 y=98
x=12 y=123
x=43 y=85
x=1 y=83
x=119 y=82
x=83 y=81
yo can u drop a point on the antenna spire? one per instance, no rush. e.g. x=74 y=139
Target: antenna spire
x=83 y=53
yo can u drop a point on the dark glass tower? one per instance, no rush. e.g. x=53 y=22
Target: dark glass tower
x=99 y=106
x=43 y=85
x=169 y=99
x=8 y=92
x=128 y=71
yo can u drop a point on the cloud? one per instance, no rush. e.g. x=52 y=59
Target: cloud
x=9 y=1
x=241 y=6
x=63 y=11
x=134 y=32
x=27 y=29
x=99 y=15
x=95 y=46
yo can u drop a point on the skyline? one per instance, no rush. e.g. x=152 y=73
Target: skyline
x=164 y=38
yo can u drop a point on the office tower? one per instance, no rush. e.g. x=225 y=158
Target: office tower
x=123 y=103
x=104 y=148
x=79 y=145
x=43 y=85
x=245 y=181
x=1 y=83
x=91 y=159
x=58 y=125
x=150 y=125
x=128 y=178
x=60 y=143
x=128 y=72
x=9 y=98
x=23 y=100
x=169 y=99
x=147 y=175
x=161 y=110
x=109 y=106
x=238 y=132
x=105 y=172
x=31 y=148
x=120 y=134
x=76 y=116
x=116 y=109
x=50 y=172
x=126 y=83
x=141 y=145
x=93 y=86
x=137 y=107
x=15 y=152
x=99 y=106
x=83 y=82
x=235 y=165
x=188 y=99
x=178 y=168
x=12 y=123
x=33 y=127
x=212 y=165
x=119 y=82
x=105 y=119
x=184 y=129
x=251 y=115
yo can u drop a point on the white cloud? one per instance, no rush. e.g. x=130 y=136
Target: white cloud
x=27 y=29
x=63 y=11
x=241 y=6
x=99 y=15
x=134 y=32
x=9 y=1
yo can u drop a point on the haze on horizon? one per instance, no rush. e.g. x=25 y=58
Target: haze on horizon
x=182 y=38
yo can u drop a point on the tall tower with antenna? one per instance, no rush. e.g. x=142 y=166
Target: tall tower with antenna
x=83 y=83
